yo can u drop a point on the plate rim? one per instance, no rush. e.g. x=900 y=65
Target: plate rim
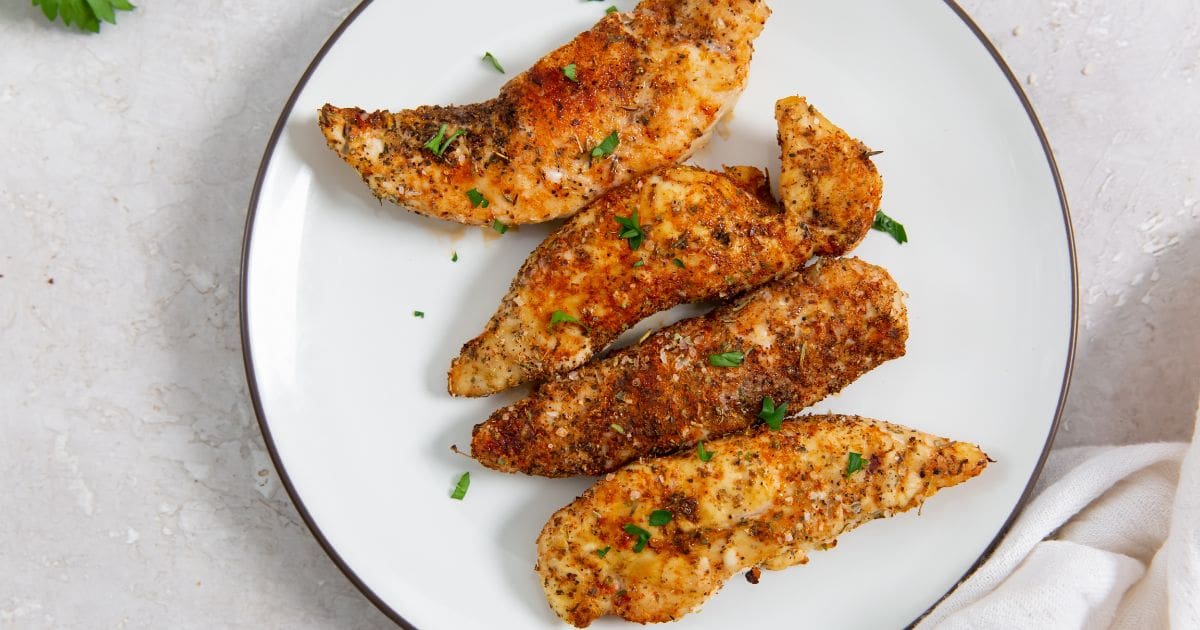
x=344 y=567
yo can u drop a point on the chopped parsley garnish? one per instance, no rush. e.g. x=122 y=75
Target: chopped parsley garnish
x=772 y=414
x=454 y=257
x=460 y=489
x=603 y=552
x=612 y=9
x=561 y=317
x=439 y=142
x=704 y=454
x=640 y=263
x=678 y=263
x=607 y=145
x=569 y=71
x=495 y=64
x=887 y=224
x=499 y=227
x=477 y=199
x=658 y=518
x=854 y=463
x=618 y=428
x=726 y=359
x=642 y=536
x=631 y=230
x=420 y=314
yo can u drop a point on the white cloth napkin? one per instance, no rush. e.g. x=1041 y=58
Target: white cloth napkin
x=1111 y=540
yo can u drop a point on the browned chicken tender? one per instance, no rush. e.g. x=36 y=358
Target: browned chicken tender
x=826 y=179
x=764 y=501
x=796 y=341
x=675 y=236
x=659 y=78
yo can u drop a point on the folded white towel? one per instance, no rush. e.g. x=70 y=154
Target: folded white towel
x=1111 y=540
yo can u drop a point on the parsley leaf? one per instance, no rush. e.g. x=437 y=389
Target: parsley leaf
x=854 y=463
x=658 y=518
x=678 y=263
x=454 y=257
x=772 y=414
x=618 y=428
x=569 y=71
x=705 y=455
x=603 y=552
x=612 y=9
x=887 y=224
x=640 y=263
x=439 y=142
x=561 y=317
x=607 y=145
x=477 y=199
x=460 y=489
x=499 y=226
x=726 y=359
x=631 y=230
x=419 y=314
x=495 y=64
x=85 y=15
x=642 y=536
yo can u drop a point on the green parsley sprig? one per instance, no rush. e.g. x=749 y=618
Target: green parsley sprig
x=490 y=58
x=704 y=454
x=439 y=142
x=773 y=414
x=631 y=230
x=562 y=317
x=460 y=489
x=726 y=359
x=641 y=537
x=887 y=224
x=477 y=199
x=854 y=463
x=85 y=15
x=659 y=518
x=607 y=145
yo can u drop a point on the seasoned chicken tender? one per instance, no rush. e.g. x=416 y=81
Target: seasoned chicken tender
x=796 y=341
x=703 y=236
x=764 y=500
x=675 y=236
x=658 y=78
x=827 y=177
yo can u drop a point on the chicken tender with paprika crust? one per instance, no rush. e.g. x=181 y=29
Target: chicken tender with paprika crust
x=797 y=341
x=765 y=500
x=659 y=78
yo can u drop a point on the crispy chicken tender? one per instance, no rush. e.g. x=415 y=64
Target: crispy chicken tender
x=703 y=235
x=765 y=500
x=804 y=337
x=826 y=178
x=660 y=77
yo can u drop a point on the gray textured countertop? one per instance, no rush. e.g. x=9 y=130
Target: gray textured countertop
x=136 y=488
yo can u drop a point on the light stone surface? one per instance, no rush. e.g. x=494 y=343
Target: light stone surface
x=135 y=489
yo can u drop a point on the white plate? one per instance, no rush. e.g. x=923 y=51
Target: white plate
x=350 y=387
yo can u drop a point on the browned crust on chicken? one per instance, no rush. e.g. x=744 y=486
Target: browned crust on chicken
x=804 y=337
x=660 y=76
x=765 y=500
x=840 y=208
x=707 y=236
x=724 y=238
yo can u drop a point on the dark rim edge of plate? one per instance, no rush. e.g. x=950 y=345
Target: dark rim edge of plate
x=1070 y=233
x=341 y=564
